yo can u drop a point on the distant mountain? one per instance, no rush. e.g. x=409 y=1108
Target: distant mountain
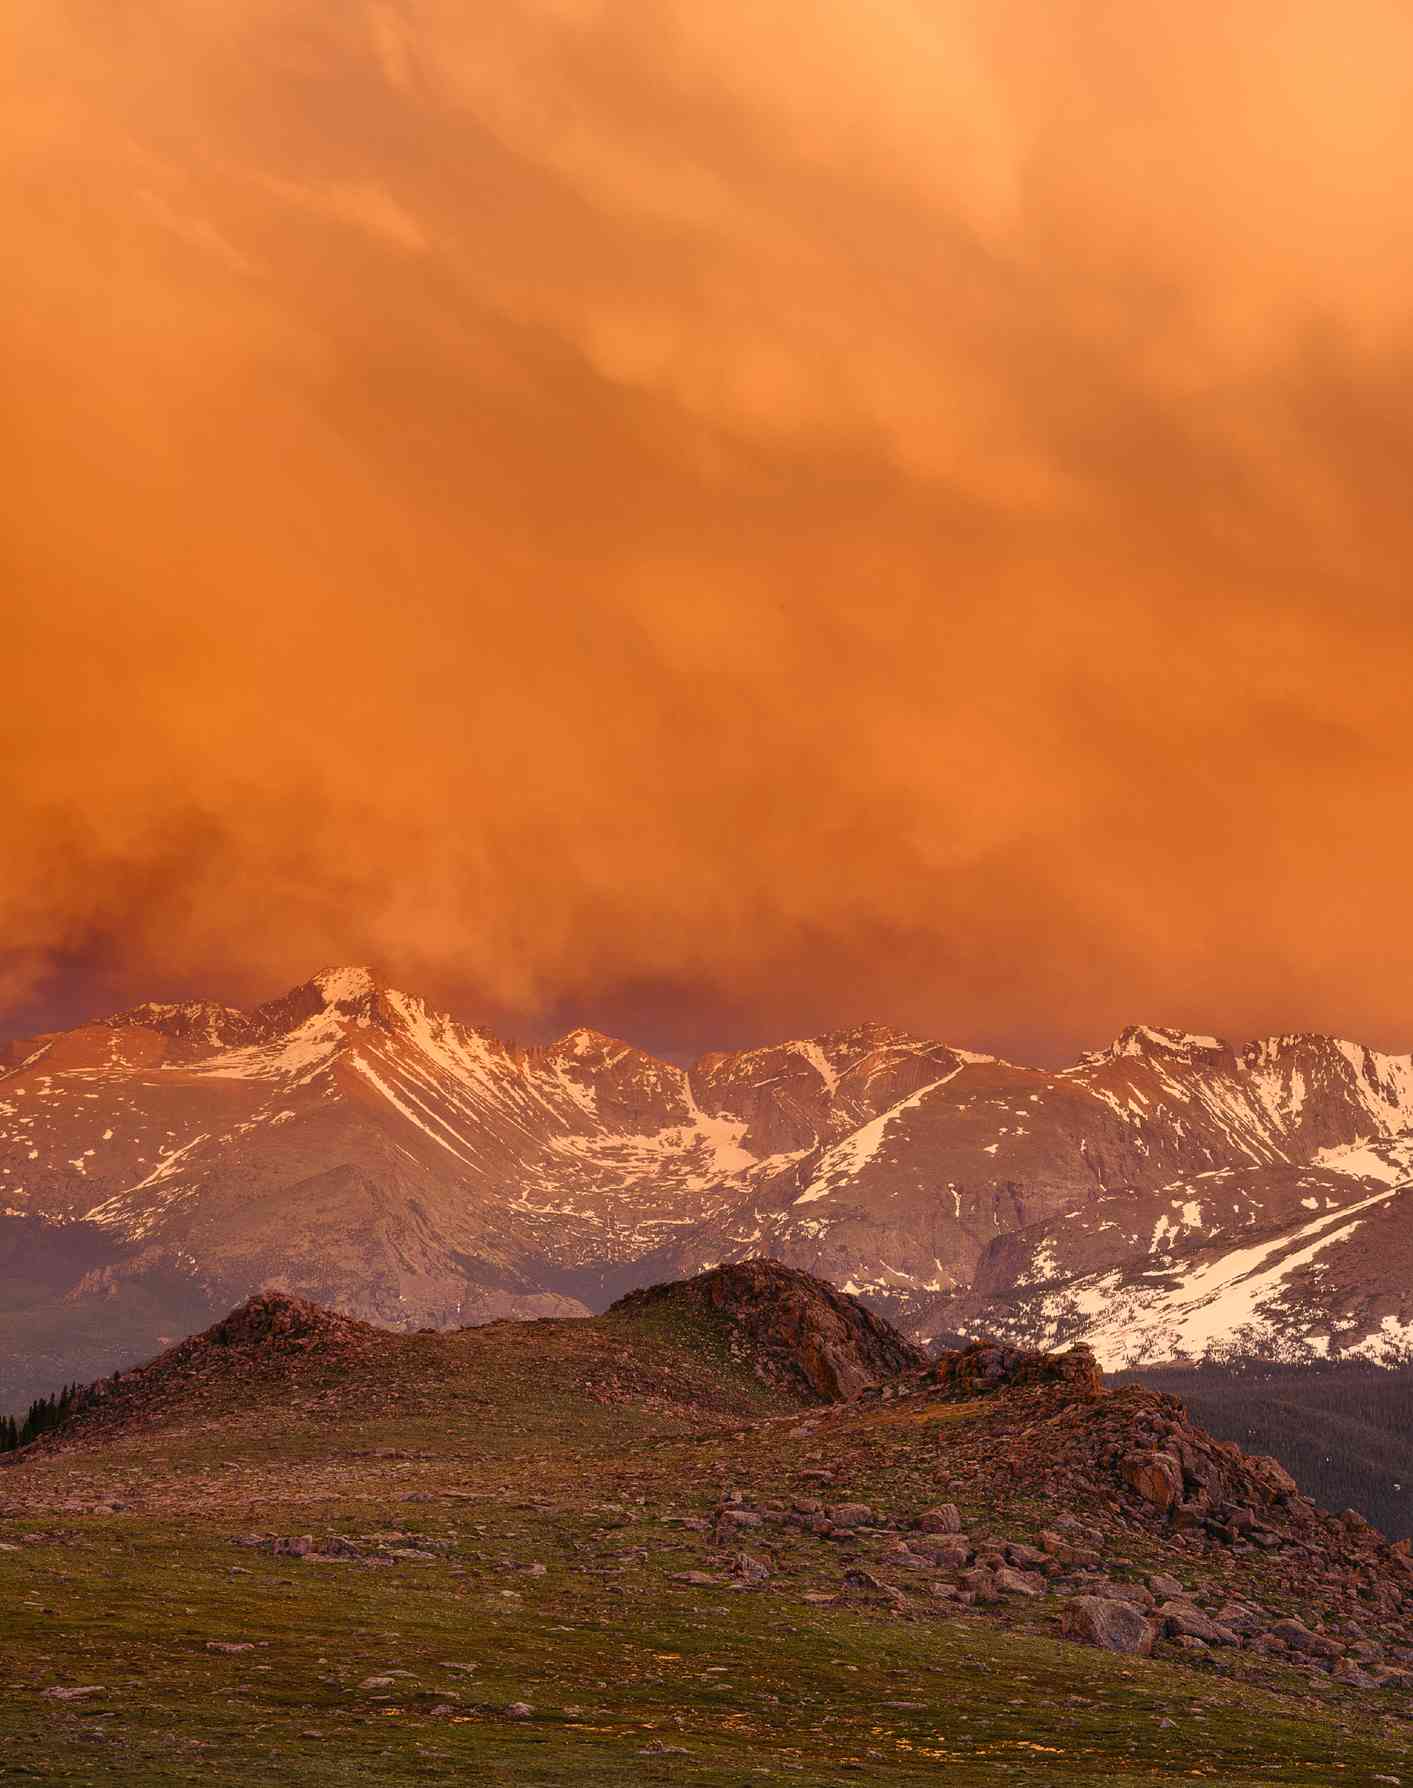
x=1168 y=1197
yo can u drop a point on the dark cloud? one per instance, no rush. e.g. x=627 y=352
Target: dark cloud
x=717 y=525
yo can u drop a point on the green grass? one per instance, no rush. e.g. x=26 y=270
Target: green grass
x=613 y=1657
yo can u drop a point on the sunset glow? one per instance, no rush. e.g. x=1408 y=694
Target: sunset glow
x=718 y=520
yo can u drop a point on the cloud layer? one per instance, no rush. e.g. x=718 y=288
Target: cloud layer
x=720 y=518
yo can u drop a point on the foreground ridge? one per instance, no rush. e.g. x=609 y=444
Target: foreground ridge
x=556 y=1549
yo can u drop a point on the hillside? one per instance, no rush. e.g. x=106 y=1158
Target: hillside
x=639 y=1547
x=1345 y=1432
x=1169 y=1197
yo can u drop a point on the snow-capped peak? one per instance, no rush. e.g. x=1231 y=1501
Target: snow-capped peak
x=1148 y=1039
x=583 y=1040
x=344 y=986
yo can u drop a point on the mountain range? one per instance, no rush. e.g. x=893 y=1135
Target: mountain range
x=1171 y=1197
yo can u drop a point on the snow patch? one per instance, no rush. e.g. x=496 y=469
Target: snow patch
x=847 y=1158
x=344 y=986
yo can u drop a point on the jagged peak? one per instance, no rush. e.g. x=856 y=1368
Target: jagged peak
x=1359 y=1056
x=1150 y=1040
x=832 y=1051
x=872 y=1031
x=204 y=1021
x=345 y=992
x=585 y=1040
x=345 y=987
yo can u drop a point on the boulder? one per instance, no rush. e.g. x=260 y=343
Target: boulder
x=1111 y=1625
x=944 y=1519
x=1297 y=1637
x=1182 y=1621
x=1156 y=1476
x=1121 y=1592
x=1011 y=1582
x=948 y=1552
x=1237 y=1619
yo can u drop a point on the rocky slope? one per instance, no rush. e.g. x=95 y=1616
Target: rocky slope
x=1170 y=1196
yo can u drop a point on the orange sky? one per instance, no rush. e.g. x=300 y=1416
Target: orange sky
x=717 y=520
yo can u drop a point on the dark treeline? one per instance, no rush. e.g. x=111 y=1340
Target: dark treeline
x=1343 y=1432
x=43 y=1414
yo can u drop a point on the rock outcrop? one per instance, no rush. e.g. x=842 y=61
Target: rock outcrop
x=991 y=1365
x=804 y=1331
x=272 y=1319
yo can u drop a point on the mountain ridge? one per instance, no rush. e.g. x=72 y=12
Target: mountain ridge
x=1170 y=1195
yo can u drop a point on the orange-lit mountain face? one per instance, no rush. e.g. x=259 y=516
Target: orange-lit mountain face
x=1170 y=1196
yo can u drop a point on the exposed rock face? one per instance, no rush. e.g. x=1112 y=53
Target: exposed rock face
x=990 y=1365
x=802 y=1328
x=1157 y=1477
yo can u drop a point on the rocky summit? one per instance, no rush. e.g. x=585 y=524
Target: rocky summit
x=1168 y=1197
x=735 y=1525
x=802 y=1332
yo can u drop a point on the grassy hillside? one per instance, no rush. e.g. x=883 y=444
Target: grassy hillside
x=502 y=1521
